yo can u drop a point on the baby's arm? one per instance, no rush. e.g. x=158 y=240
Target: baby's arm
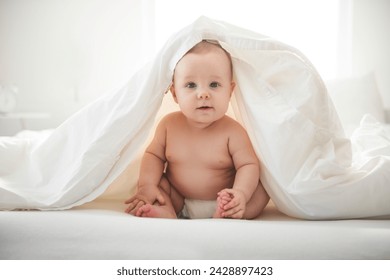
x=152 y=168
x=247 y=173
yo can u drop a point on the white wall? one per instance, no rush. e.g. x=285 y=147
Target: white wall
x=371 y=42
x=63 y=54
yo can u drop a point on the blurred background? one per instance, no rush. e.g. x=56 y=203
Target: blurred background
x=56 y=56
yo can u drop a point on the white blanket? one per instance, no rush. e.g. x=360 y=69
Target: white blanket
x=309 y=168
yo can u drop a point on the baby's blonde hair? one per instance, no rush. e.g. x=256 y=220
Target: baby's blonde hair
x=210 y=45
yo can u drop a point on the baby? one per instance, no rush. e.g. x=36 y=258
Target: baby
x=200 y=163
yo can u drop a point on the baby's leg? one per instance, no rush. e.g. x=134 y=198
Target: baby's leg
x=257 y=203
x=169 y=209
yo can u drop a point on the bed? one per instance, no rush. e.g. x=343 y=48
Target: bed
x=101 y=230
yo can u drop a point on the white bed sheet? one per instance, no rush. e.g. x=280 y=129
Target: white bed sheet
x=100 y=230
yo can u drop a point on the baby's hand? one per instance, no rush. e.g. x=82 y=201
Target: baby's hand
x=232 y=203
x=144 y=195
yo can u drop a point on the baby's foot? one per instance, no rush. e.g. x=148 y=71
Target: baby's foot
x=223 y=199
x=218 y=213
x=154 y=211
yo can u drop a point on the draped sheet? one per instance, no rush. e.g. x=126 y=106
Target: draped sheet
x=308 y=167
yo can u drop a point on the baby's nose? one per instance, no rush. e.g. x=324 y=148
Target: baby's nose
x=203 y=94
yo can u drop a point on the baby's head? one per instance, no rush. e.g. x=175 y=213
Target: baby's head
x=214 y=47
x=204 y=76
x=221 y=56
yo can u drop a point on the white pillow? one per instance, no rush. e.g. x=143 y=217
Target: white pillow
x=354 y=97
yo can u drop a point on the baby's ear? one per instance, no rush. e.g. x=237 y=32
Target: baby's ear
x=172 y=90
x=232 y=86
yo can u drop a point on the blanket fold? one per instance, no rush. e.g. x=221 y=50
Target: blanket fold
x=309 y=168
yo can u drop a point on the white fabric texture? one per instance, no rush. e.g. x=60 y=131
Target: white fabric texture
x=363 y=93
x=308 y=167
x=101 y=230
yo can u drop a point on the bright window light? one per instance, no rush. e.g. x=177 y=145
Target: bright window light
x=310 y=26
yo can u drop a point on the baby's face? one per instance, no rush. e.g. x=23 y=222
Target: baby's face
x=203 y=86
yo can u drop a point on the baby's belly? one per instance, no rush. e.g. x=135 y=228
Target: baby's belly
x=200 y=183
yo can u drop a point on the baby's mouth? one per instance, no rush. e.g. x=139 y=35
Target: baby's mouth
x=204 y=107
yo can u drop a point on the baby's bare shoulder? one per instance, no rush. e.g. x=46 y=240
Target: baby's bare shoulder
x=235 y=132
x=240 y=145
x=232 y=126
x=171 y=118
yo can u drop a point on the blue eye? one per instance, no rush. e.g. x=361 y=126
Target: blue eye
x=191 y=85
x=214 y=84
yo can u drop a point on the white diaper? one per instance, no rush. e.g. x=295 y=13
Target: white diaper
x=198 y=209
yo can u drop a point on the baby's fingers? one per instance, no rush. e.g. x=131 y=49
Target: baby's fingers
x=231 y=204
x=129 y=200
x=133 y=206
x=223 y=200
x=235 y=213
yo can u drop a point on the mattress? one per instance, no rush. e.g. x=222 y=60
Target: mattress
x=101 y=230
